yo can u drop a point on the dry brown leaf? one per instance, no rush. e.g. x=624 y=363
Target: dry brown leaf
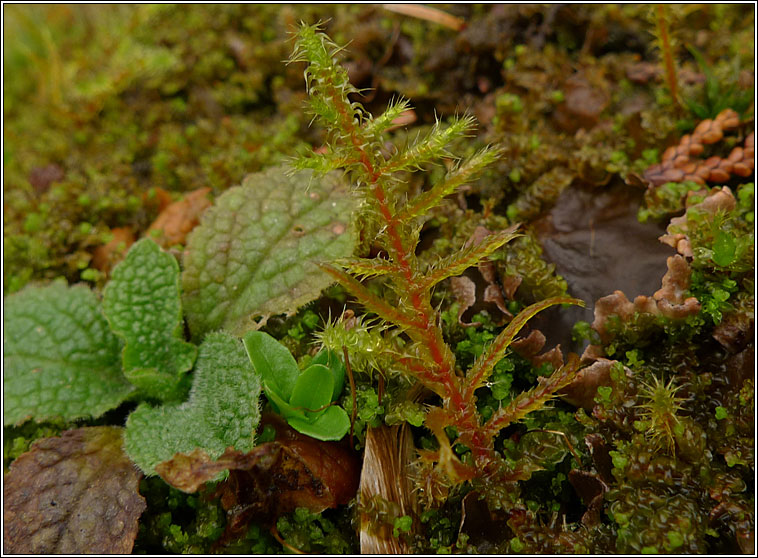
x=493 y=293
x=510 y=284
x=406 y=118
x=670 y=298
x=594 y=239
x=41 y=178
x=585 y=101
x=582 y=390
x=464 y=291
x=681 y=162
x=735 y=331
x=274 y=478
x=601 y=456
x=481 y=525
x=427 y=13
x=157 y=199
x=109 y=254
x=76 y=494
x=590 y=488
x=529 y=346
x=177 y=220
x=464 y=288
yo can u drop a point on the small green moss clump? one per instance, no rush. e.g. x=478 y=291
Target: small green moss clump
x=180 y=523
x=176 y=522
x=160 y=97
x=324 y=533
x=18 y=439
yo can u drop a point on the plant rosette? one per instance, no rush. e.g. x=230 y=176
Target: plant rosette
x=303 y=397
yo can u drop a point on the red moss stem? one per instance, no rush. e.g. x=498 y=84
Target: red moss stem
x=666 y=52
x=440 y=376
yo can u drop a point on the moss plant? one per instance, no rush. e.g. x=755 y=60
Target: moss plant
x=355 y=142
x=660 y=412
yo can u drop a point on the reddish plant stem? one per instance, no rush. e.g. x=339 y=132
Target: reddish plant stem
x=352 y=392
x=666 y=52
x=460 y=408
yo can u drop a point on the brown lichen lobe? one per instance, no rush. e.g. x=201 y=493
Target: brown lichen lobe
x=679 y=163
x=581 y=392
x=668 y=301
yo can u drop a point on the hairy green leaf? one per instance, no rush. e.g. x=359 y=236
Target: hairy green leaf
x=142 y=303
x=254 y=251
x=367 y=268
x=375 y=304
x=377 y=126
x=496 y=350
x=430 y=147
x=536 y=398
x=328 y=84
x=222 y=409
x=60 y=358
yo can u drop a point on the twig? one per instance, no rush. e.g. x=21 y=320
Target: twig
x=284 y=543
x=429 y=14
x=352 y=391
x=568 y=442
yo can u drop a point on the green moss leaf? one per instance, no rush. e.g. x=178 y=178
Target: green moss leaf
x=222 y=409
x=60 y=359
x=142 y=303
x=254 y=251
x=724 y=249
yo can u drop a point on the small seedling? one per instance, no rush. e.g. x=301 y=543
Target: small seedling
x=303 y=397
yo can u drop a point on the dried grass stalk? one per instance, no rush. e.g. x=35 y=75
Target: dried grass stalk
x=385 y=480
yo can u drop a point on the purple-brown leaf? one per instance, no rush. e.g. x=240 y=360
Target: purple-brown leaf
x=76 y=494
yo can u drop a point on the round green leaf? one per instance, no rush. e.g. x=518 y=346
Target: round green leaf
x=724 y=249
x=313 y=389
x=273 y=362
x=280 y=405
x=333 y=424
x=334 y=363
